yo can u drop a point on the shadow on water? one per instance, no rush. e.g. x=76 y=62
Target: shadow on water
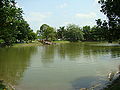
x=13 y=63
x=92 y=83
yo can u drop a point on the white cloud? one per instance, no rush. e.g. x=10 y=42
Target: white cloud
x=86 y=15
x=37 y=16
x=63 y=5
x=35 y=19
x=96 y=1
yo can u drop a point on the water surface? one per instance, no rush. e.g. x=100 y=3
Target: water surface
x=59 y=67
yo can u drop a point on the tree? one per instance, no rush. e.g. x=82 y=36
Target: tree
x=13 y=27
x=47 y=32
x=102 y=30
x=23 y=31
x=9 y=17
x=61 y=33
x=87 y=33
x=111 y=8
x=74 y=33
x=31 y=35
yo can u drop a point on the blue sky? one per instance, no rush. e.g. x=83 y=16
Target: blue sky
x=60 y=12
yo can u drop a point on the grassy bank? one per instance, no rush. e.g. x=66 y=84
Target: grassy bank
x=27 y=44
x=61 y=42
x=36 y=43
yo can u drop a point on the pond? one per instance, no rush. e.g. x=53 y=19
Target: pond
x=59 y=67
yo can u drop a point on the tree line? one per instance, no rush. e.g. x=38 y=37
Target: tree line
x=111 y=26
x=106 y=30
x=13 y=27
x=72 y=33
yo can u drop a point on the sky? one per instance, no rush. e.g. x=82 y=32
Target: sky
x=58 y=13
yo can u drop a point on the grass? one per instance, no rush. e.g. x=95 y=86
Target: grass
x=35 y=43
x=27 y=44
x=61 y=42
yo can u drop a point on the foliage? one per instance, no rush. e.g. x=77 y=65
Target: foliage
x=13 y=27
x=9 y=17
x=87 y=33
x=46 y=32
x=102 y=26
x=94 y=33
x=61 y=33
x=111 y=9
x=31 y=35
x=74 y=33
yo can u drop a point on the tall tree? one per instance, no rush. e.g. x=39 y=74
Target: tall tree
x=61 y=33
x=31 y=35
x=74 y=33
x=9 y=18
x=102 y=30
x=111 y=8
x=47 y=32
x=23 y=30
x=13 y=27
x=87 y=33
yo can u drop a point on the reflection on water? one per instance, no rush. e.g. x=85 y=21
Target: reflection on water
x=59 y=67
x=13 y=62
x=48 y=52
x=75 y=50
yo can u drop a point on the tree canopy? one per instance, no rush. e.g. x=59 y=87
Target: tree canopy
x=111 y=8
x=13 y=27
x=47 y=32
x=74 y=33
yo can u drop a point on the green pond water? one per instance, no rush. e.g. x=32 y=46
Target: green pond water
x=59 y=67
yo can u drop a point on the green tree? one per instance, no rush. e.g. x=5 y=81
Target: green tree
x=87 y=33
x=111 y=8
x=47 y=32
x=74 y=33
x=13 y=27
x=38 y=34
x=31 y=35
x=102 y=30
x=23 y=30
x=61 y=33
x=9 y=17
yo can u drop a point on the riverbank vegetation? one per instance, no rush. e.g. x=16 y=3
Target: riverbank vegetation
x=106 y=30
x=35 y=43
x=14 y=28
x=57 y=42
